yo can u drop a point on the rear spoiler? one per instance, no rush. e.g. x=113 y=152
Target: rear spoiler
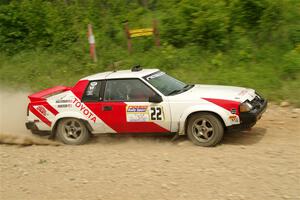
x=41 y=95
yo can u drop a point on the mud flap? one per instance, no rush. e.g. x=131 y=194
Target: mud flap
x=175 y=137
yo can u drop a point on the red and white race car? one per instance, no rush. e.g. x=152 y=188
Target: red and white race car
x=142 y=101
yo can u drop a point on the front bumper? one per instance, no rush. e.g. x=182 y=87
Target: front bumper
x=249 y=119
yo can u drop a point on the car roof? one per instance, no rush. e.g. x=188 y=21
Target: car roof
x=121 y=74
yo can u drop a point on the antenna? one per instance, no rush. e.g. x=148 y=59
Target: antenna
x=136 y=68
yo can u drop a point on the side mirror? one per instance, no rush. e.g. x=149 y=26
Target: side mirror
x=155 y=99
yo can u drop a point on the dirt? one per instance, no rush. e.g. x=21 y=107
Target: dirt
x=262 y=163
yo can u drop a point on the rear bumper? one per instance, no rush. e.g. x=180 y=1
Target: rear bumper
x=31 y=126
x=35 y=130
x=249 y=119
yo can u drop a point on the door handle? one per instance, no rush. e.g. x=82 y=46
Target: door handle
x=107 y=108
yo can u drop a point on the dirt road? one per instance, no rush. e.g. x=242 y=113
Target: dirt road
x=263 y=163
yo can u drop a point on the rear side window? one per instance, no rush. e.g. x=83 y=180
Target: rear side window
x=132 y=90
x=92 y=92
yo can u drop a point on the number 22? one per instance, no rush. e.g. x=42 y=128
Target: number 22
x=156 y=113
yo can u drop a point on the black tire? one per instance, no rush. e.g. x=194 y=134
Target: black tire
x=205 y=129
x=72 y=131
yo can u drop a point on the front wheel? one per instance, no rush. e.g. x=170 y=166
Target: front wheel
x=72 y=131
x=205 y=129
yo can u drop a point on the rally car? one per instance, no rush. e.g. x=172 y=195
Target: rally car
x=142 y=101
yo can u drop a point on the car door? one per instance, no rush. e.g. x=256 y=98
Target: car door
x=126 y=107
x=93 y=100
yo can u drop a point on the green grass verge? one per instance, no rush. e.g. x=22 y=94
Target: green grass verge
x=273 y=73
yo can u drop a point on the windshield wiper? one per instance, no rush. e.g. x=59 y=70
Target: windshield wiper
x=185 y=88
x=174 y=92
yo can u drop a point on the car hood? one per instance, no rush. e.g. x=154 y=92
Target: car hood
x=232 y=93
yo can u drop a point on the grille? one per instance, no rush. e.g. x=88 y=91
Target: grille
x=257 y=102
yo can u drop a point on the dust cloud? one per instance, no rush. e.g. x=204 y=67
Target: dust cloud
x=25 y=139
x=13 y=106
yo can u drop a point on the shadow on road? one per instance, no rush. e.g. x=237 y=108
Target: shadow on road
x=244 y=137
x=122 y=138
x=231 y=138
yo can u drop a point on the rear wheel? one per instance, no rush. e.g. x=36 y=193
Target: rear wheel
x=205 y=129
x=72 y=131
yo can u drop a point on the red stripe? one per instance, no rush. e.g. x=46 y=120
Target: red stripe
x=50 y=108
x=79 y=88
x=226 y=104
x=46 y=105
x=39 y=115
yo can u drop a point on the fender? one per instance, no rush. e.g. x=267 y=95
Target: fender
x=71 y=114
x=224 y=114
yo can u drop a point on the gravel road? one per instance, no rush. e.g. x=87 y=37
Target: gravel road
x=263 y=163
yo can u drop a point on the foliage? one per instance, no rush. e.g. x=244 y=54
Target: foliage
x=253 y=43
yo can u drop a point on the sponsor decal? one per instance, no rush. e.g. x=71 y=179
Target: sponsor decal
x=84 y=110
x=233 y=110
x=42 y=110
x=155 y=75
x=234 y=119
x=138 y=113
x=91 y=88
x=93 y=84
x=63 y=101
x=64 y=105
x=137 y=108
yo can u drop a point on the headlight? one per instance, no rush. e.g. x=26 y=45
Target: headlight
x=245 y=107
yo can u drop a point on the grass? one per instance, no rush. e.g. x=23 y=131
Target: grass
x=268 y=71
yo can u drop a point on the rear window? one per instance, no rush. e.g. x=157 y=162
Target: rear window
x=92 y=92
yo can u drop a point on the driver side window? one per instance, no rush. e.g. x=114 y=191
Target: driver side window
x=133 y=90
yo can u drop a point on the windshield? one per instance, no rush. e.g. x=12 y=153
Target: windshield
x=167 y=84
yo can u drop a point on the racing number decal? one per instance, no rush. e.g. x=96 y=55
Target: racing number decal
x=144 y=113
x=156 y=113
